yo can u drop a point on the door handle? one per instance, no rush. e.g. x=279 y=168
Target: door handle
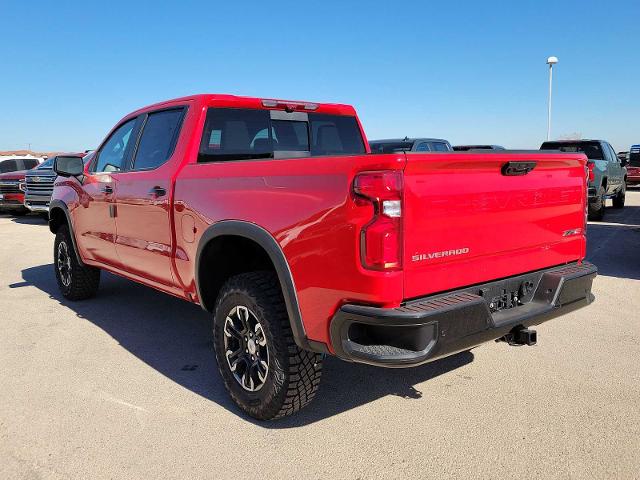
x=107 y=189
x=157 y=191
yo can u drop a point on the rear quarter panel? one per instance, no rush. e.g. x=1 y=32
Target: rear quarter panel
x=305 y=204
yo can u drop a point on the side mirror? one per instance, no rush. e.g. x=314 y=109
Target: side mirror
x=68 y=166
x=622 y=156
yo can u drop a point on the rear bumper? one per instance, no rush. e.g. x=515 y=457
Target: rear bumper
x=425 y=329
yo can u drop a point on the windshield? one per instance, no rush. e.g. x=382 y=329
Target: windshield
x=634 y=156
x=390 y=147
x=46 y=165
x=592 y=150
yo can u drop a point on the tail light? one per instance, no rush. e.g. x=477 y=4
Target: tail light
x=590 y=166
x=381 y=238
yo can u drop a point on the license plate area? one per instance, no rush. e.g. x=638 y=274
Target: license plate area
x=508 y=293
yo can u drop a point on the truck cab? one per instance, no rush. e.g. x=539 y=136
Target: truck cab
x=607 y=173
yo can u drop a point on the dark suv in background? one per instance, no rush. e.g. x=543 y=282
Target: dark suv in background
x=407 y=144
x=607 y=172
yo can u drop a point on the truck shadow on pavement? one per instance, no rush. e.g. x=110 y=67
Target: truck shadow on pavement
x=613 y=245
x=30 y=220
x=172 y=336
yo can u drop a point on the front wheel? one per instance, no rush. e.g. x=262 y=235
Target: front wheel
x=76 y=281
x=267 y=375
x=618 y=200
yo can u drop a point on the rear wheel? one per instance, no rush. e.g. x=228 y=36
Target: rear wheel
x=596 y=207
x=618 y=200
x=76 y=282
x=265 y=372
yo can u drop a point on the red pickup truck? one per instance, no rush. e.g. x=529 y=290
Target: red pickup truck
x=12 y=193
x=273 y=216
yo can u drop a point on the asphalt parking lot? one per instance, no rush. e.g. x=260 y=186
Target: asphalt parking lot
x=124 y=386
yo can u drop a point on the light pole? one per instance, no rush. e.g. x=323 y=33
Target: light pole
x=551 y=61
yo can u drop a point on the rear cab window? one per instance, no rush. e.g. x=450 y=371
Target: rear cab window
x=593 y=150
x=246 y=134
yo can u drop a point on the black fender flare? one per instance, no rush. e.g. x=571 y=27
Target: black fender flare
x=60 y=205
x=263 y=238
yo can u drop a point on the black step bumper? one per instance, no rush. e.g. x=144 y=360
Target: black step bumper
x=433 y=327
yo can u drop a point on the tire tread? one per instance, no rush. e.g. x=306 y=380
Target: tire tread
x=302 y=368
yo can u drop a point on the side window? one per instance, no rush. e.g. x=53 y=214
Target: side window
x=612 y=154
x=607 y=152
x=423 y=147
x=236 y=134
x=440 y=147
x=30 y=163
x=8 y=166
x=158 y=138
x=335 y=135
x=112 y=155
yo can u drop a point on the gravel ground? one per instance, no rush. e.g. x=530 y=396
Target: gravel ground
x=124 y=386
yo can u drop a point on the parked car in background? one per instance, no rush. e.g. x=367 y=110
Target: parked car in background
x=407 y=144
x=633 y=167
x=466 y=148
x=12 y=193
x=12 y=179
x=273 y=216
x=39 y=184
x=607 y=173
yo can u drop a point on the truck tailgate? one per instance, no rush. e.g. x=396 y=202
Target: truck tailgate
x=466 y=221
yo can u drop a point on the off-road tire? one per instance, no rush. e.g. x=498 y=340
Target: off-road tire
x=293 y=374
x=618 y=200
x=596 y=208
x=82 y=281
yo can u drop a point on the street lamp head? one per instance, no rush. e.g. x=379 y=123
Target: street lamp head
x=552 y=60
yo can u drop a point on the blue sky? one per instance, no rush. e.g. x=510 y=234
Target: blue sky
x=471 y=72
